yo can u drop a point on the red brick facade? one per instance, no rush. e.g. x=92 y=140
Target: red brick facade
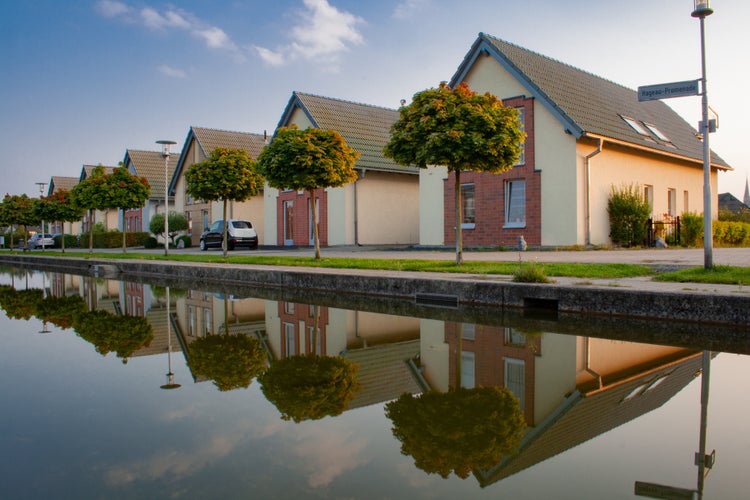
x=134 y=220
x=302 y=316
x=300 y=219
x=489 y=197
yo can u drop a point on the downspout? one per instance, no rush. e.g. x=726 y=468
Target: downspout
x=360 y=176
x=587 y=169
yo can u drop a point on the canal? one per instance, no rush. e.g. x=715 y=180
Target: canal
x=132 y=389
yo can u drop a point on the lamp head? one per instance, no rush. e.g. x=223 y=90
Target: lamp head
x=701 y=8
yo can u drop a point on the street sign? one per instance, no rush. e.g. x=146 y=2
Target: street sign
x=652 y=490
x=668 y=90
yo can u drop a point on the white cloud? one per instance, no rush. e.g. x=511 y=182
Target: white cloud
x=322 y=33
x=408 y=8
x=112 y=8
x=215 y=38
x=167 y=70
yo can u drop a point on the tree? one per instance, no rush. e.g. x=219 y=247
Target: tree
x=310 y=387
x=629 y=212
x=177 y=223
x=111 y=332
x=457 y=431
x=227 y=174
x=308 y=159
x=91 y=194
x=18 y=209
x=126 y=191
x=231 y=361
x=459 y=129
x=20 y=304
x=58 y=207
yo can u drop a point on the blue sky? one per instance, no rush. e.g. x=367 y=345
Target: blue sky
x=82 y=81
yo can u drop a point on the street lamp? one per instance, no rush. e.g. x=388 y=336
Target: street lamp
x=41 y=193
x=165 y=153
x=701 y=10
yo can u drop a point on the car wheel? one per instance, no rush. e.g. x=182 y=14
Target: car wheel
x=203 y=245
x=230 y=245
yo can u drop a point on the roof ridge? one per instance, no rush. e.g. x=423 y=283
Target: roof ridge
x=563 y=63
x=225 y=130
x=298 y=93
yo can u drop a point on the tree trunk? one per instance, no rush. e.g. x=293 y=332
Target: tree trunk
x=124 y=239
x=459 y=220
x=225 y=243
x=315 y=224
x=91 y=230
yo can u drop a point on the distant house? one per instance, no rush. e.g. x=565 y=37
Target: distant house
x=199 y=144
x=59 y=183
x=585 y=135
x=151 y=165
x=108 y=218
x=381 y=207
x=727 y=202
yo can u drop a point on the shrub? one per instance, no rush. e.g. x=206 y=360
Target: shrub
x=150 y=242
x=692 y=228
x=628 y=214
x=187 y=242
x=530 y=272
x=730 y=233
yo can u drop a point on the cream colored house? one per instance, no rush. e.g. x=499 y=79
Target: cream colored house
x=585 y=135
x=381 y=207
x=199 y=144
x=108 y=218
x=60 y=183
x=151 y=165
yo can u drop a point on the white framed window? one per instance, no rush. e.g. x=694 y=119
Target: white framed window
x=515 y=378
x=515 y=203
x=289 y=340
x=468 y=206
x=522 y=121
x=658 y=133
x=672 y=201
x=685 y=202
x=636 y=125
x=468 y=331
x=207 y=321
x=648 y=195
x=468 y=368
x=289 y=307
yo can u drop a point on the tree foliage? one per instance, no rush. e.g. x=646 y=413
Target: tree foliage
x=231 y=361
x=177 y=222
x=227 y=174
x=91 y=194
x=460 y=129
x=458 y=431
x=18 y=209
x=58 y=207
x=109 y=332
x=310 y=387
x=307 y=160
x=20 y=304
x=125 y=192
x=629 y=212
x=61 y=311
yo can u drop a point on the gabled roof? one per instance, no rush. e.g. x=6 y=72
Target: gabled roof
x=588 y=105
x=208 y=139
x=59 y=183
x=727 y=201
x=365 y=127
x=149 y=164
x=87 y=169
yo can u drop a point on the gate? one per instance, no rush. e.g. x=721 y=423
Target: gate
x=668 y=228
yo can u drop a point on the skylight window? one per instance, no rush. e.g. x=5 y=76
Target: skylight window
x=636 y=126
x=658 y=133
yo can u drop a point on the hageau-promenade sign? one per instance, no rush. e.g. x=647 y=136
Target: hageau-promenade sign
x=668 y=90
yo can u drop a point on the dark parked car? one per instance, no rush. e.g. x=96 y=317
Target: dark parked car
x=239 y=233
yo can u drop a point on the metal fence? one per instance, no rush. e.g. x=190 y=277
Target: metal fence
x=667 y=229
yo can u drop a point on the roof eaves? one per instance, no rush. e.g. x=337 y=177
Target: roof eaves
x=484 y=46
x=294 y=102
x=181 y=161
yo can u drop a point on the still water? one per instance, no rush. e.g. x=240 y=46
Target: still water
x=116 y=389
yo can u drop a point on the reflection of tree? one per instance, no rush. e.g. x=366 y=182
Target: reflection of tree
x=310 y=387
x=110 y=332
x=20 y=304
x=61 y=311
x=231 y=361
x=459 y=431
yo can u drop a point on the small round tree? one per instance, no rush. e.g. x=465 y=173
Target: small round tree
x=177 y=222
x=231 y=361
x=459 y=129
x=92 y=194
x=126 y=192
x=227 y=174
x=307 y=160
x=58 y=207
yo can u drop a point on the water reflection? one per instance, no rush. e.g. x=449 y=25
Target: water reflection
x=480 y=400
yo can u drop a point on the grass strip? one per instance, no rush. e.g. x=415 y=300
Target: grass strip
x=717 y=275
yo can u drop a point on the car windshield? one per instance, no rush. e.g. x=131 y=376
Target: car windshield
x=241 y=224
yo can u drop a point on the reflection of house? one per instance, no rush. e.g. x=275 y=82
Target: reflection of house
x=380 y=344
x=56 y=184
x=570 y=388
x=585 y=134
x=151 y=165
x=199 y=144
x=382 y=206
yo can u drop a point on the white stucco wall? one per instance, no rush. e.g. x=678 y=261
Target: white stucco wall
x=388 y=208
x=270 y=224
x=434 y=353
x=337 y=216
x=431 y=186
x=554 y=373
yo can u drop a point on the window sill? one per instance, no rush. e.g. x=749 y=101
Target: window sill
x=514 y=225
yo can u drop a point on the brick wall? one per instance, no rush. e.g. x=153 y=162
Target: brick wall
x=300 y=219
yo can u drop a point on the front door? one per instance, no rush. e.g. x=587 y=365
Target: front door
x=312 y=220
x=288 y=222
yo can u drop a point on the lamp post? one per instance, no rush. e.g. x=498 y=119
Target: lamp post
x=701 y=10
x=165 y=153
x=41 y=193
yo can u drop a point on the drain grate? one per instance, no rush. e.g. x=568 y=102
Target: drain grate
x=436 y=300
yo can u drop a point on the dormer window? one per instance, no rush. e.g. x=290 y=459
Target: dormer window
x=635 y=125
x=658 y=133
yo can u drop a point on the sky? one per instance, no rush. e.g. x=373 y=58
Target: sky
x=83 y=81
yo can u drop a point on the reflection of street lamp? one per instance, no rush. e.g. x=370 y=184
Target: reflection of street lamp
x=44 y=290
x=41 y=193
x=165 y=153
x=702 y=10
x=170 y=376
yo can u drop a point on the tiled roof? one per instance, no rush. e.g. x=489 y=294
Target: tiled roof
x=59 y=183
x=150 y=164
x=87 y=169
x=209 y=139
x=589 y=105
x=727 y=201
x=365 y=128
